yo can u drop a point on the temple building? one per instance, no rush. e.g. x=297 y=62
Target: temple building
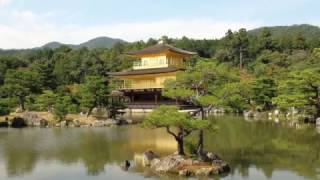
x=153 y=66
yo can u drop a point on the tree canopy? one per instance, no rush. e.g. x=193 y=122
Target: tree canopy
x=177 y=124
x=94 y=93
x=257 y=69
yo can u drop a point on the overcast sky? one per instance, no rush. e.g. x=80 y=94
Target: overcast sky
x=32 y=23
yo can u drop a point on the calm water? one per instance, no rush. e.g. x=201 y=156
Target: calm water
x=255 y=150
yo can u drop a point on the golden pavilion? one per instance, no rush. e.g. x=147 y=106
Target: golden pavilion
x=153 y=66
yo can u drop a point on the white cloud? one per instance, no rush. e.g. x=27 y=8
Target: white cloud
x=4 y=2
x=26 y=29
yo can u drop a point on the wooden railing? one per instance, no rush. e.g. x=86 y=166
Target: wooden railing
x=139 y=85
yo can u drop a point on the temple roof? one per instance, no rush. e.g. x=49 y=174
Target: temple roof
x=146 y=71
x=159 y=48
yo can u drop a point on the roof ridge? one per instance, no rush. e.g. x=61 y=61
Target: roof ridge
x=157 y=48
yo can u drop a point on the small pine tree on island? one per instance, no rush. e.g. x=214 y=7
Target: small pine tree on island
x=177 y=124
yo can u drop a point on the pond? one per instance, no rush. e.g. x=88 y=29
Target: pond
x=255 y=150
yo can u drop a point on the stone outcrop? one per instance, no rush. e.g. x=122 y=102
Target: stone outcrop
x=62 y=124
x=18 y=122
x=32 y=119
x=125 y=165
x=185 y=166
x=98 y=123
x=206 y=171
x=172 y=163
x=46 y=119
x=91 y=123
x=212 y=158
x=100 y=112
x=248 y=113
x=147 y=157
x=75 y=123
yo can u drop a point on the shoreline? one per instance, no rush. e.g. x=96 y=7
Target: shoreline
x=46 y=120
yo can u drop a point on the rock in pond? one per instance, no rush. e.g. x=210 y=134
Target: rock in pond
x=148 y=156
x=171 y=163
x=32 y=119
x=120 y=122
x=213 y=158
x=76 y=123
x=206 y=171
x=183 y=165
x=98 y=123
x=18 y=122
x=64 y=124
x=125 y=165
x=224 y=167
x=109 y=122
x=185 y=172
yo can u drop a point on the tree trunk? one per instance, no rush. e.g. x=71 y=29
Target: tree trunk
x=180 y=146
x=200 y=138
x=200 y=144
x=180 y=139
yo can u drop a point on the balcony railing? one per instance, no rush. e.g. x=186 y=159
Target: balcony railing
x=139 y=85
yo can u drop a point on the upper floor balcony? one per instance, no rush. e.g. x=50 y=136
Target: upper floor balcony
x=139 y=84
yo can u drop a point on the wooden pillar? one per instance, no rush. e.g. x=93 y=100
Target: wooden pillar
x=131 y=97
x=155 y=97
x=159 y=96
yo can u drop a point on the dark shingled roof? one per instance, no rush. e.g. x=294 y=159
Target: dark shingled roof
x=146 y=71
x=159 y=48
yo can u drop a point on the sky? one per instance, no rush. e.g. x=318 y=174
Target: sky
x=33 y=23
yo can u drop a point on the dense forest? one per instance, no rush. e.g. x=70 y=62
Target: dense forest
x=261 y=69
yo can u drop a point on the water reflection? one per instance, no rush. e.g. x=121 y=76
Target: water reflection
x=94 y=148
x=267 y=147
x=260 y=149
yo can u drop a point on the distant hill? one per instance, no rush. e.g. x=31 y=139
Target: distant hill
x=53 y=45
x=99 y=42
x=308 y=31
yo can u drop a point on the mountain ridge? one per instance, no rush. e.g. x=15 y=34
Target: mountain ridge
x=307 y=30
x=310 y=32
x=98 y=42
